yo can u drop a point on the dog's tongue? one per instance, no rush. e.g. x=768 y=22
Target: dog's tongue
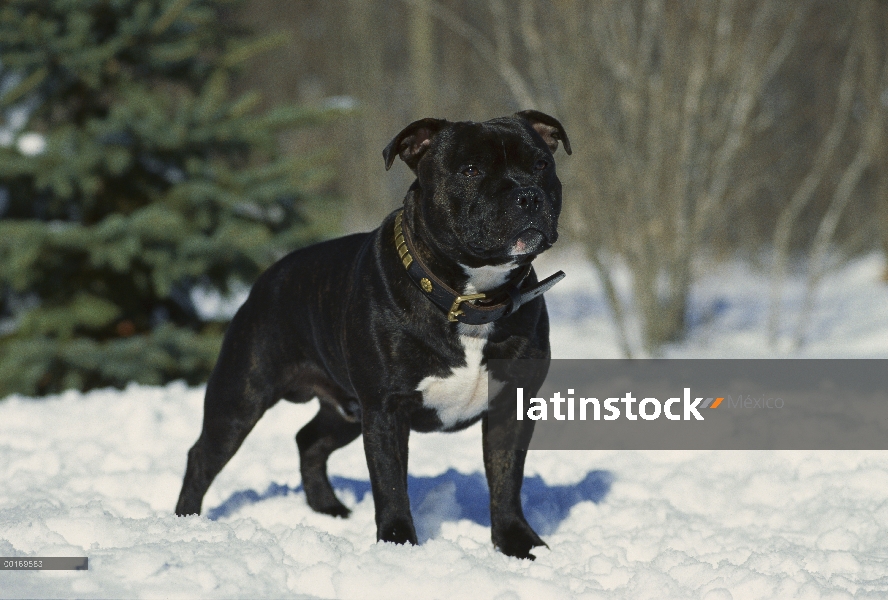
x=526 y=242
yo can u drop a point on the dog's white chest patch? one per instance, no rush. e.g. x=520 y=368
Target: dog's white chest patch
x=462 y=394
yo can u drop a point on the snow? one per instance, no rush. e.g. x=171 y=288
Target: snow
x=31 y=144
x=98 y=475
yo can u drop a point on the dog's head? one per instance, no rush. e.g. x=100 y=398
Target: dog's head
x=488 y=192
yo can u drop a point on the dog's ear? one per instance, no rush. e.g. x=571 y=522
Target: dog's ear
x=412 y=142
x=548 y=127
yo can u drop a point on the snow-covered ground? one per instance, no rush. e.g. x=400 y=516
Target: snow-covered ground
x=98 y=474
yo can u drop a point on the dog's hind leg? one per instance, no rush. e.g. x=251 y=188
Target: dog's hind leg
x=324 y=434
x=233 y=404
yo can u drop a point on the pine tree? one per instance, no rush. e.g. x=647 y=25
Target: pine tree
x=131 y=175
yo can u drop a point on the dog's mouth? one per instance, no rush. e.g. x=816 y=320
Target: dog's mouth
x=527 y=242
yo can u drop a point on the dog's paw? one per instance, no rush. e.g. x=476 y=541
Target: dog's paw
x=338 y=510
x=516 y=539
x=187 y=506
x=398 y=531
x=329 y=505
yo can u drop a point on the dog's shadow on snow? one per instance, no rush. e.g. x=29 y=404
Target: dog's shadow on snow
x=454 y=496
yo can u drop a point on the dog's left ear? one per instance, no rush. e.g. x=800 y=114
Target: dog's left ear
x=412 y=142
x=548 y=127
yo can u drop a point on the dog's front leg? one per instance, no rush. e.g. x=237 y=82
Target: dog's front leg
x=505 y=442
x=386 y=432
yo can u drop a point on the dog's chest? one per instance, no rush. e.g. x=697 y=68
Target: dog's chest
x=463 y=393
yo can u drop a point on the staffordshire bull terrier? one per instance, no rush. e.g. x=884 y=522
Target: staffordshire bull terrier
x=392 y=330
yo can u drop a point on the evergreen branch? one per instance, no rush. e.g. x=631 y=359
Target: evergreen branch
x=243 y=52
x=168 y=16
x=25 y=86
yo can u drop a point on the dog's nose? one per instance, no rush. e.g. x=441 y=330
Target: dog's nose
x=528 y=199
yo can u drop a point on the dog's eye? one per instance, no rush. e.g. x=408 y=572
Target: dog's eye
x=540 y=164
x=471 y=171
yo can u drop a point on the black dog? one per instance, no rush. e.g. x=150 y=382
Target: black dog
x=393 y=329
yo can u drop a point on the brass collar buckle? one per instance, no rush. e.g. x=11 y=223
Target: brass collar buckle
x=455 y=310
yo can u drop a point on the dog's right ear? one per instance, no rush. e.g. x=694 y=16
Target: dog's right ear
x=412 y=142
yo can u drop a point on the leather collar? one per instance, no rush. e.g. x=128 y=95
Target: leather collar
x=472 y=309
